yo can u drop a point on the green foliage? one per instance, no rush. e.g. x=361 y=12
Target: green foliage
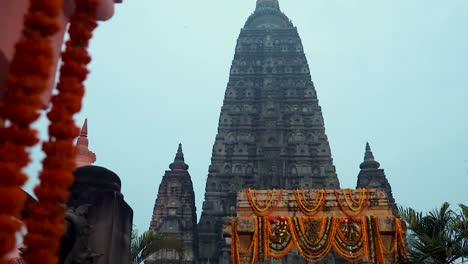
x=440 y=236
x=149 y=242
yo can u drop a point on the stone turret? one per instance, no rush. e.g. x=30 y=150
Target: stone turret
x=175 y=213
x=267 y=4
x=271 y=132
x=371 y=176
x=84 y=156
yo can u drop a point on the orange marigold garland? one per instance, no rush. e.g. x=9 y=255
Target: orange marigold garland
x=354 y=207
x=314 y=241
x=279 y=236
x=351 y=238
x=307 y=207
x=393 y=250
x=236 y=248
x=266 y=207
x=402 y=251
x=25 y=82
x=46 y=223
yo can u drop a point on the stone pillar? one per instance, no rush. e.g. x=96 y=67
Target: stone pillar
x=100 y=221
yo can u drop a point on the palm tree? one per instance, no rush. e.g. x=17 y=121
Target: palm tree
x=149 y=242
x=439 y=236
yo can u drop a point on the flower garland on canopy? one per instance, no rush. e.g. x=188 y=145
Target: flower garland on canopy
x=25 y=82
x=236 y=247
x=46 y=222
x=310 y=208
x=278 y=240
x=313 y=237
x=352 y=238
x=355 y=206
x=266 y=207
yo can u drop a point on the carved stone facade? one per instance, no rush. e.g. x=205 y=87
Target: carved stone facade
x=271 y=131
x=175 y=213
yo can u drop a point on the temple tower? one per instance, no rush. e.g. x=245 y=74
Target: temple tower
x=271 y=131
x=371 y=176
x=175 y=213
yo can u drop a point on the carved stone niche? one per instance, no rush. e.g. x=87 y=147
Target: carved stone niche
x=99 y=221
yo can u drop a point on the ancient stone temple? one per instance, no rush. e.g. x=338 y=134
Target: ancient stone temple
x=272 y=194
x=271 y=131
x=175 y=213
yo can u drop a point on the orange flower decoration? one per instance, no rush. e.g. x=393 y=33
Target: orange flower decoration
x=25 y=82
x=46 y=223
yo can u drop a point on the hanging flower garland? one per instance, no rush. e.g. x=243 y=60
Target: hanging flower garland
x=393 y=250
x=266 y=207
x=375 y=255
x=351 y=239
x=279 y=240
x=398 y=244
x=314 y=241
x=354 y=239
x=26 y=81
x=251 y=252
x=46 y=223
x=355 y=206
x=307 y=207
x=402 y=251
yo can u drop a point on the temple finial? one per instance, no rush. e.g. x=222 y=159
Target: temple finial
x=179 y=162
x=369 y=162
x=84 y=129
x=84 y=156
x=368 y=155
x=180 y=155
x=267 y=4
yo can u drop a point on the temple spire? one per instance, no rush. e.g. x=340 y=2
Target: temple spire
x=369 y=162
x=179 y=162
x=371 y=176
x=84 y=156
x=267 y=4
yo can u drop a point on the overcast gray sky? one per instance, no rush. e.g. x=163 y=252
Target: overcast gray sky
x=394 y=73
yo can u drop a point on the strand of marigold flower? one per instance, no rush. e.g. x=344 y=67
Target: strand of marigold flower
x=362 y=198
x=285 y=251
x=319 y=202
x=236 y=248
x=306 y=254
x=380 y=242
x=27 y=79
x=320 y=233
x=46 y=224
x=378 y=249
x=361 y=209
x=234 y=252
x=270 y=195
x=258 y=203
x=349 y=256
x=401 y=239
x=252 y=241
x=268 y=208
